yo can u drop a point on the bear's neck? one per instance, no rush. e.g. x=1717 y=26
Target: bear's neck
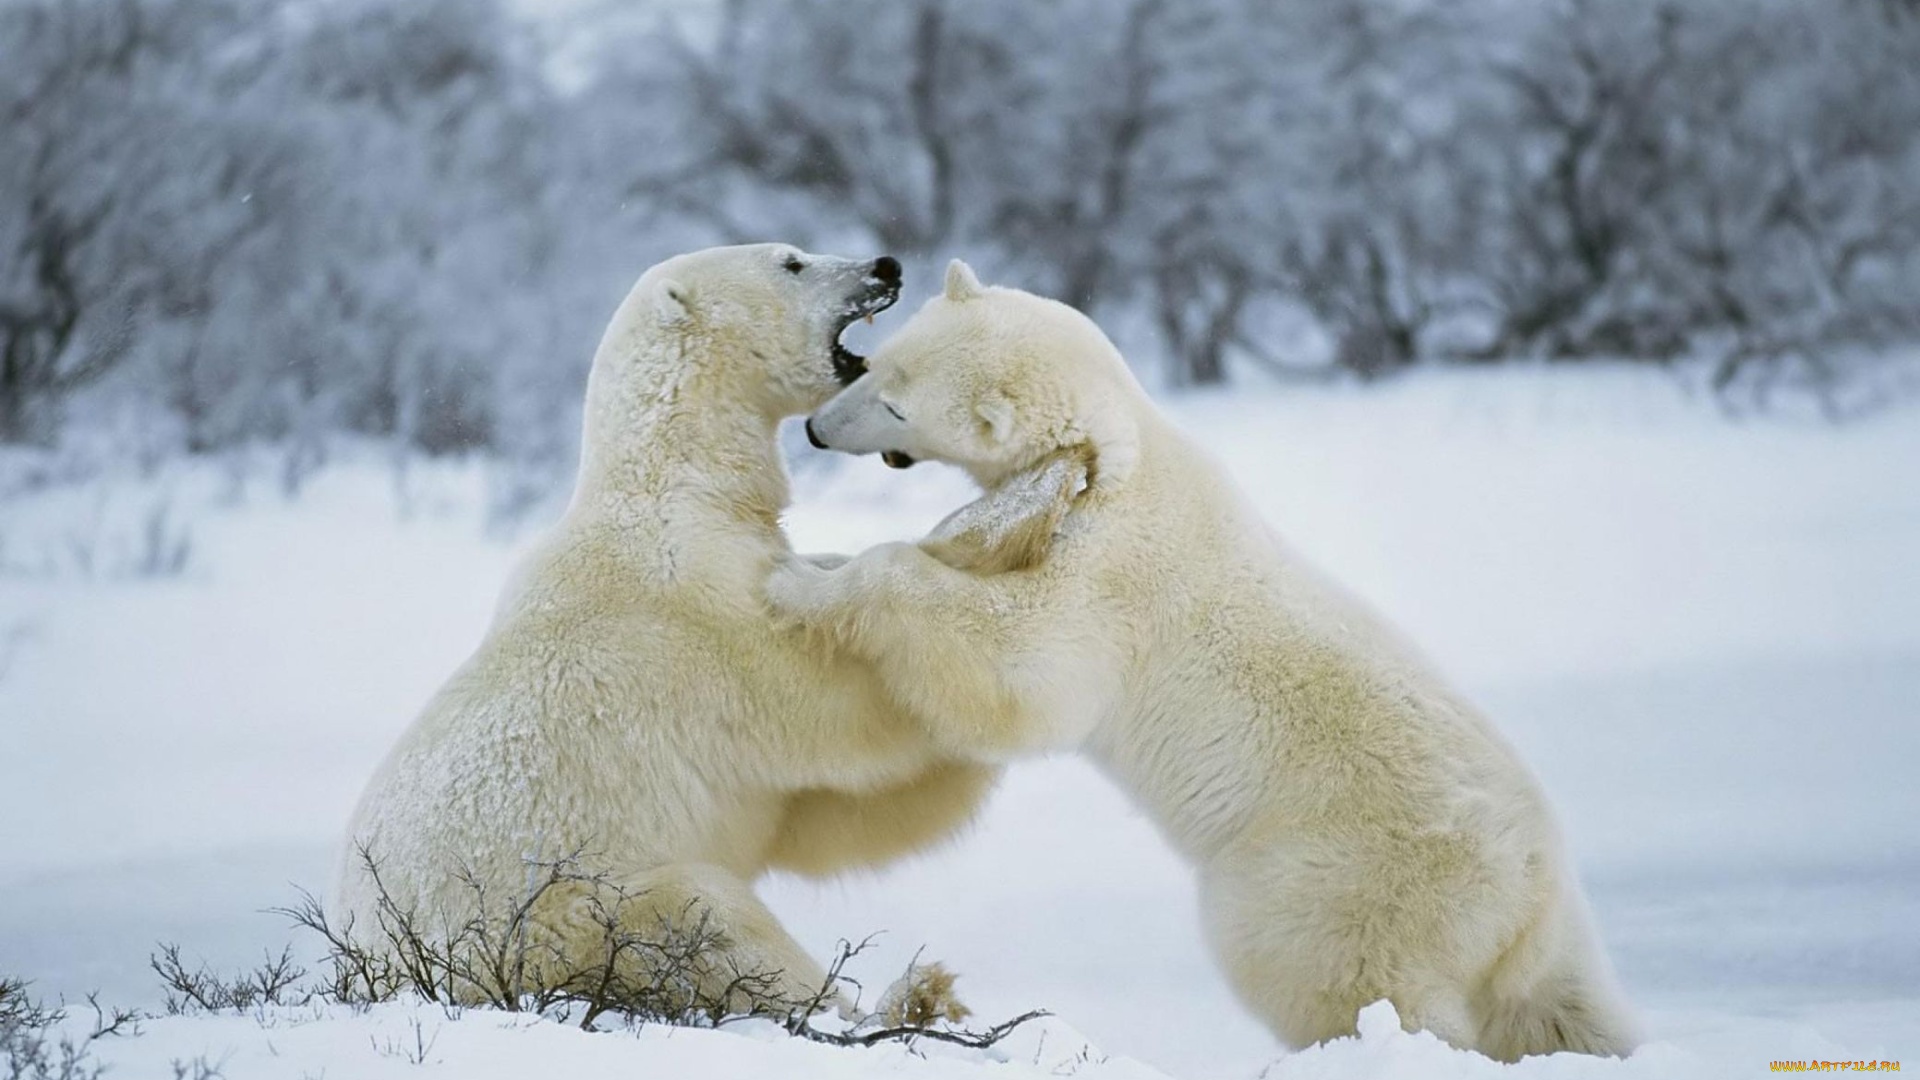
x=662 y=451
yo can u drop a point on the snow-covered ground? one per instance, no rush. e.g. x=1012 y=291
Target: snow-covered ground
x=399 y=1042
x=1704 y=635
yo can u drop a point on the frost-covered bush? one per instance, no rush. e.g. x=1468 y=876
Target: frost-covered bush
x=410 y=219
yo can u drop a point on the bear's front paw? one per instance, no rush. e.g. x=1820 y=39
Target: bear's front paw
x=921 y=996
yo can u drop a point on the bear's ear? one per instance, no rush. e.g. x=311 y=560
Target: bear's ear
x=996 y=412
x=961 y=282
x=672 y=301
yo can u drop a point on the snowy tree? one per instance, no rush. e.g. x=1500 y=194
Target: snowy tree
x=285 y=221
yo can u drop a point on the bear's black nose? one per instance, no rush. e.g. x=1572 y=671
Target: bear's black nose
x=887 y=269
x=811 y=437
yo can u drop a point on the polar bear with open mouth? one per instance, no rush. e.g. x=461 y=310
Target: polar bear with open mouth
x=632 y=699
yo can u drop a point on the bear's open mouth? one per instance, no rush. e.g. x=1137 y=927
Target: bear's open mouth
x=878 y=296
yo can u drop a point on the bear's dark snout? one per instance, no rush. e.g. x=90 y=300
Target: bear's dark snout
x=887 y=269
x=811 y=437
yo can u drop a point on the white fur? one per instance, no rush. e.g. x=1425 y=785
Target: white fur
x=1359 y=830
x=632 y=699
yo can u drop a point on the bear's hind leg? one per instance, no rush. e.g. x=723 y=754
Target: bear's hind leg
x=1568 y=1011
x=1306 y=950
x=1438 y=1009
x=732 y=953
x=1552 y=990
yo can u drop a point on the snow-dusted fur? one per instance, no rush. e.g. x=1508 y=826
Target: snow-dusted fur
x=1360 y=831
x=632 y=699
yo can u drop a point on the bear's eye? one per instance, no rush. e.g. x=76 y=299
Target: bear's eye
x=794 y=265
x=897 y=414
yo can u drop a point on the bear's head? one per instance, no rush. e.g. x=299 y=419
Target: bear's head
x=994 y=380
x=765 y=317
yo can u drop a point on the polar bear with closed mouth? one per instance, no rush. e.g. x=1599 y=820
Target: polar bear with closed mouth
x=632 y=699
x=1360 y=831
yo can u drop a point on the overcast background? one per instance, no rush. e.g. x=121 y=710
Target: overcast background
x=1578 y=337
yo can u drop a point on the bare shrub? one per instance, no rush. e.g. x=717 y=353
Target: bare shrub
x=18 y=1009
x=164 y=543
x=197 y=1069
x=107 y=538
x=414 y=1051
x=276 y=981
x=30 y=1051
x=497 y=954
x=671 y=968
